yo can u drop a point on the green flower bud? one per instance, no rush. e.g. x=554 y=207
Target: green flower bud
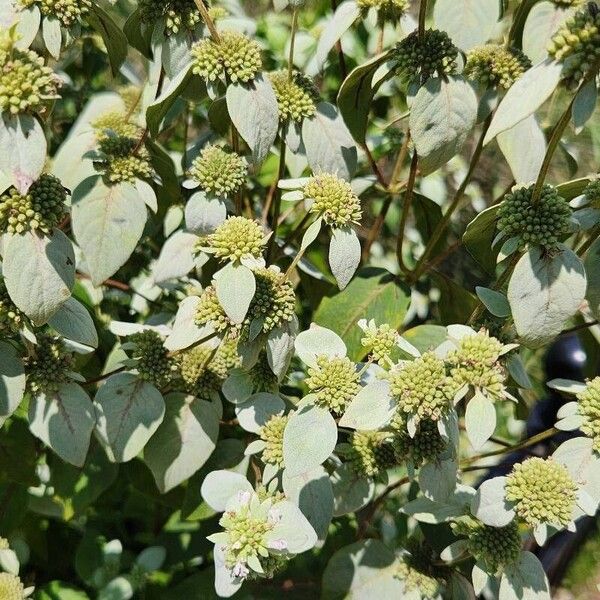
x=114 y=124
x=272 y=434
x=177 y=14
x=49 y=367
x=334 y=381
x=271 y=565
x=41 y=209
x=217 y=13
x=235 y=56
x=68 y=12
x=235 y=238
x=592 y=193
x=577 y=45
x=432 y=54
x=219 y=172
x=542 y=491
x=153 y=361
x=388 y=11
x=11 y=318
x=25 y=83
x=426 y=446
x=11 y=587
x=422 y=387
x=126 y=160
x=371 y=453
x=333 y=199
x=496 y=547
x=296 y=98
x=589 y=409
x=495 y=66
x=210 y=311
x=380 y=341
x=418 y=577
x=541 y=224
x=263 y=378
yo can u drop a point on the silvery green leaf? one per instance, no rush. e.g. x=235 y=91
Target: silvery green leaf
x=219 y=486
x=12 y=381
x=329 y=146
x=185 y=331
x=293 y=136
x=280 y=347
x=442 y=116
x=235 y=286
x=9 y=561
x=175 y=54
x=437 y=480
x=479 y=577
x=257 y=410
x=568 y=409
x=371 y=409
x=238 y=386
x=24 y=135
x=494 y=301
x=566 y=385
x=468 y=22
x=460 y=588
x=119 y=588
x=525 y=580
x=577 y=455
x=524 y=147
x=543 y=21
x=318 y=341
x=312 y=492
x=592 y=269
x=203 y=215
x=28 y=24
x=309 y=439
x=587 y=504
x=525 y=96
x=64 y=421
x=226 y=585
x=365 y=569
x=454 y=550
x=569 y=423
x=517 y=371
x=254 y=112
x=176 y=258
x=584 y=105
x=108 y=223
x=152 y=558
x=489 y=504
x=544 y=292
x=350 y=491
x=293 y=196
x=311 y=233
x=255 y=447
x=425 y=510
x=480 y=420
x=183 y=442
x=294 y=528
x=52 y=35
x=129 y=410
x=344 y=255
x=292 y=184
x=147 y=193
x=39 y=272
x=73 y=321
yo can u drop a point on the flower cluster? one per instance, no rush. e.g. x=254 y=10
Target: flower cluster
x=496 y=547
x=541 y=224
x=333 y=200
x=235 y=239
x=495 y=66
x=542 y=491
x=370 y=453
x=25 y=82
x=124 y=159
x=379 y=341
x=49 y=367
x=262 y=377
x=235 y=56
x=334 y=381
x=589 y=409
x=114 y=124
x=577 y=45
x=417 y=578
x=41 y=209
x=68 y=12
x=271 y=433
x=296 y=96
x=426 y=446
x=11 y=587
x=219 y=172
x=177 y=14
x=592 y=193
x=11 y=318
x=388 y=11
x=152 y=359
x=210 y=311
x=433 y=53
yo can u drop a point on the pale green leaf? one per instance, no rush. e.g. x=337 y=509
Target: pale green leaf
x=489 y=504
x=219 y=486
x=73 y=321
x=257 y=410
x=318 y=341
x=52 y=35
x=350 y=491
x=371 y=409
x=203 y=215
x=437 y=480
x=480 y=420
x=235 y=286
x=585 y=105
x=543 y=21
x=28 y=22
x=525 y=580
x=592 y=269
x=344 y=255
x=176 y=258
x=494 y=301
x=12 y=381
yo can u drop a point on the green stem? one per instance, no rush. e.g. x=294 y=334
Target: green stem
x=277 y=196
x=208 y=21
x=294 y=27
x=408 y=198
x=422 y=17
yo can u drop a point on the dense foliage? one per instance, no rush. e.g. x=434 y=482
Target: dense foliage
x=277 y=282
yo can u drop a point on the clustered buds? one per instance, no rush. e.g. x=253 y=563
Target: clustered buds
x=589 y=409
x=370 y=453
x=577 y=46
x=114 y=124
x=334 y=381
x=262 y=377
x=42 y=208
x=592 y=193
x=235 y=56
x=416 y=577
x=541 y=224
x=210 y=311
x=496 y=547
x=495 y=66
x=125 y=159
x=153 y=363
x=25 y=82
x=380 y=342
x=49 y=367
x=234 y=239
x=177 y=14
x=271 y=433
x=11 y=318
x=11 y=587
x=427 y=55
x=219 y=172
x=333 y=199
x=542 y=491
x=426 y=446
x=296 y=96
x=388 y=11
x=68 y=12
x=422 y=387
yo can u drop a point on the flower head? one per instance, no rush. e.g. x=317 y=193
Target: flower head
x=234 y=239
x=542 y=491
x=495 y=66
x=379 y=341
x=210 y=311
x=388 y=11
x=219 y=172
x=235 y=56
x=418 y=578
x=177 y=14
x=333 y=199
x=125 y=160
x=153 y=363
x=68 y=12
x=49 y=367
x=426 y=446
x=114 y=124
x=334 y=381
x=296 y=97
x=592 y=193
x=589 y=408
x=11 y=587
x=371 y=452
x=271 y=433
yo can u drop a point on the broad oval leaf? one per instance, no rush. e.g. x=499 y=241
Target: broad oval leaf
x=525 y=580
x=12 y=381
x=489 y=504
x=350 y=491
x=203 y=215
x=176 y=258
x=73 y=321
x=543 y=21
x=480 y=420
x=344 y=255
x=317 y=341
x=219 y=486
x=235 y=286
x=371 y=409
